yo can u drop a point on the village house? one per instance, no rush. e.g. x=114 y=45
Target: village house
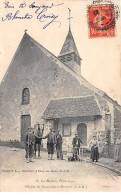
x=39 y=87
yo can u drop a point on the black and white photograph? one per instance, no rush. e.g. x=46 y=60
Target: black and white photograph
x=60 y=96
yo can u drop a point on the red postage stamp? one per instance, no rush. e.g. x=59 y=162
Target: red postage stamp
x=101 y=21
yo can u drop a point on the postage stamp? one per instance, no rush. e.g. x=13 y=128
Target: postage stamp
x=101 y=21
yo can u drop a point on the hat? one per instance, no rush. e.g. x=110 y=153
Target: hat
x=76 y=133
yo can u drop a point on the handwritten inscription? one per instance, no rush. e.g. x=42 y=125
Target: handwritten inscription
x=8 y=5
x=12 y=16
x=42 y=13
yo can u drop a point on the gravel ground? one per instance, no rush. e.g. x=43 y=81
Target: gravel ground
x=53 y=175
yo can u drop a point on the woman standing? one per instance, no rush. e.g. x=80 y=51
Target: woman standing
x=94 y=151
x=117 y=149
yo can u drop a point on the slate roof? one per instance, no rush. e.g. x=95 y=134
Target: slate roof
x=71 y=107
x=69 y=45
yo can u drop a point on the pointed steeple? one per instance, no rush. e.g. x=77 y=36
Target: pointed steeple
x=69 y=45
x=69 y=53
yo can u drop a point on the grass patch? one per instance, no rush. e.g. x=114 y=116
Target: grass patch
x=16 y=144
x=12 y=143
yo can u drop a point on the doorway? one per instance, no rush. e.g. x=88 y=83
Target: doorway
x=82 y=132
x=25 y=123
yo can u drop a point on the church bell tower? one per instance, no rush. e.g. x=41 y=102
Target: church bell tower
x=69 y=54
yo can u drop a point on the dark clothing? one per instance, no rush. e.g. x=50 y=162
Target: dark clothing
x=38 y=136
x=59 y=142
x=29 y=138
x=51 y=137
x=50 y=147
x=77 y=142
x=29 y=142
x=76 y=146
x=51 y=140
x=59 y=139
x=38 y=139
x=94 y=152
x=35 y=147
x=76 y=153
x=59 y=151
x=29 y=151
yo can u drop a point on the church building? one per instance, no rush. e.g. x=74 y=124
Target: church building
x=39 y=87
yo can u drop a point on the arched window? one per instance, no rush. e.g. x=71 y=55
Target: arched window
x=25 y=96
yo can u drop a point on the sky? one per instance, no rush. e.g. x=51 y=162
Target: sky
x=101 y=57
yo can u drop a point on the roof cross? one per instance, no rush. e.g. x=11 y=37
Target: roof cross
x=25 y=30
x=69 y=18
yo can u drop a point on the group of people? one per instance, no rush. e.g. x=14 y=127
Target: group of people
x=33 y=141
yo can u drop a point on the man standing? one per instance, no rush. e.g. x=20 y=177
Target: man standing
x=59 y=142
x=38 y=139
x=29 y=142
x=51 y=140
x=76 y=146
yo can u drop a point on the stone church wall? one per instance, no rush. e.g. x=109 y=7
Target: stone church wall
x=31 y=68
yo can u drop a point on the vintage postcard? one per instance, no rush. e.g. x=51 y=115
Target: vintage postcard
x=60 y=96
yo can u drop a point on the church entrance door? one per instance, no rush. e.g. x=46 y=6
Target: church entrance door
x=82 y=132
x=25 y=123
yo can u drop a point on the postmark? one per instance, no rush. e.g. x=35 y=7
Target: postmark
x=101 y=21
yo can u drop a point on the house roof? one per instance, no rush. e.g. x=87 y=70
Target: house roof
x=71 y=107
x=69 y=45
